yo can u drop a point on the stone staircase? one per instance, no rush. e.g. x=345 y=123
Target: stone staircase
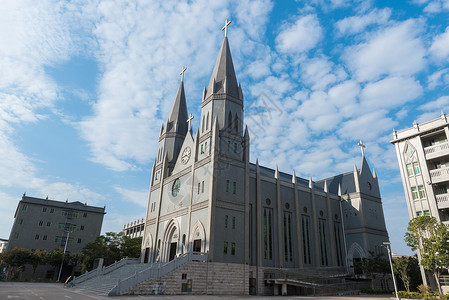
x=128 y=273
x=103 y=284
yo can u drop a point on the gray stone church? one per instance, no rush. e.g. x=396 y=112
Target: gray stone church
x=206 y=196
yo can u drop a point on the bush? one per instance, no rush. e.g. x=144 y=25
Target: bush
x=417 y=295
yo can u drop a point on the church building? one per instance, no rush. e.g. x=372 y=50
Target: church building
x=207 y=196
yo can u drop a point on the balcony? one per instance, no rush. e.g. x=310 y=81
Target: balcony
x=437 y=150
x=439 y=175
x=442 y=200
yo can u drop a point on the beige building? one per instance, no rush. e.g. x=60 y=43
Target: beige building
x=423 y=156
x=134 y=229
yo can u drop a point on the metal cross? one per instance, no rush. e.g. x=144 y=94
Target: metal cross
x=225 y=28
x=182 y=73
x=361 y=147
x=190 y=119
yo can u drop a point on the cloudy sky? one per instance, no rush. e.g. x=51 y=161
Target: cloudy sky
x=86 y=85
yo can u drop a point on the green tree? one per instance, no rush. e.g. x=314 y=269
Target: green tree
x=403 y=268
x=111 y=247
x=36 y=258
x=17 y=258
x=430 y=237
x=131 y=247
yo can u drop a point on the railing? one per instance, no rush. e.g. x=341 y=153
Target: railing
x=104 y=270
x=155 y=270
x=436 y=148
x=439 y=172
x=442 y=200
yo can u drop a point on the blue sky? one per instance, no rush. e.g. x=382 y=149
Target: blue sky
x=85 y=87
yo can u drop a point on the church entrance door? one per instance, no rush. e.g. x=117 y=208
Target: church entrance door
x=197 y=246
x=147 y=255
x=173 y=247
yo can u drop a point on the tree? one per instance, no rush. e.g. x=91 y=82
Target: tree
x=404 y=268
x=430 y=238
x=111 y=247
x=18 y=258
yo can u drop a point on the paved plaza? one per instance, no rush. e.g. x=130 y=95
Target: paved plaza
x=53 y=291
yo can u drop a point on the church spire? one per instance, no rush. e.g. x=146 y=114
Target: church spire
x=223 y=79
x=177 y=119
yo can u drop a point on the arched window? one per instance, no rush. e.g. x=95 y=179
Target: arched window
x=202 y=127
x=236 y=123
x=207 y=121
x=229 y=120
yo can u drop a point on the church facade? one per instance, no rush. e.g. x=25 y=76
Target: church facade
x=206 y=196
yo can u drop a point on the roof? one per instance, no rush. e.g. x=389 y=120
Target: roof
x=178 y=114
x=76 y=205
x=223 y=74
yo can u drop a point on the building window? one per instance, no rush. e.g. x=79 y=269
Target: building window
x=415 y=193
x=58 y=239
x=48 y=224
x=421 y=191
x=16 y=235
x=44 y=209
x=307 y=256
x=44 y=238
x=323 y=244
x=288 y=248
x=84 y=215
x=202 y=187
x=338 y=243
x=202 y=149
x=61 y=226
x=427 y=213
x=235 y=147
x=227 y=186
x=409 y=169
x=225 y=248
x=205 y=146
x=416 y=168
x=267 y=233
x=64 y=213
x=207 y=121
x=233 y=249
x=36 y=237
x=20 y=221
x=226 y=221
x=75 y=214
x=234 y=187
x=24 y=207
x=52 y=210
x=79 y=241
x=41 y=223
x=233 y=222
x=410 y=150
x=199 y=187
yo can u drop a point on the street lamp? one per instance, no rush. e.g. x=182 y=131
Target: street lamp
x=387 y=245
x=63 y=254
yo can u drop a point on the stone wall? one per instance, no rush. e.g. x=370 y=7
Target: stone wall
x=206 y=278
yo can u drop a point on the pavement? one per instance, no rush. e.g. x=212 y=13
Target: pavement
x=56 y=291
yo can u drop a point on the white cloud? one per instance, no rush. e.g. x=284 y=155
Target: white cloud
x=319 y=72
x=137 y=197
x=368 y=126
x=356 y=24
x=301 y=36
x=394 y=51
x=440 y=45
x=438 y=78
x=390 y=92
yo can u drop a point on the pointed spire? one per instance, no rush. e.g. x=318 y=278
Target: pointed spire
x=310 y=182
x=294 y=177
x=223 y=74
x=276 y=172
x=177 y=120
x=339 y=190
x=356 y=179
x=325 y=186
x=204 y=93
x=374 y=174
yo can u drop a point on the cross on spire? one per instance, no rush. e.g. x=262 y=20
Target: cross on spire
x=189 y=120
x=182 y=73
x=362 y=146
x=225 y=28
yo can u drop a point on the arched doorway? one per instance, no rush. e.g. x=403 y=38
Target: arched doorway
x=198 y=238
x=147 y=253
x=355 y=256
x=170 y=241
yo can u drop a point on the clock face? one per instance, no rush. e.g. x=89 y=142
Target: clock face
x=186 y=155
x=176 y=187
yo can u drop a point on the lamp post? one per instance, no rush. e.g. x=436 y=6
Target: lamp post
x=387 y=245
x=63 y=254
